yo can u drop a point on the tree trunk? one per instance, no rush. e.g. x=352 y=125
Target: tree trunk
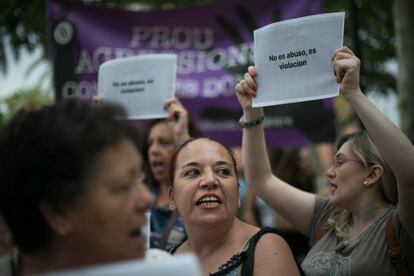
x=404 y=35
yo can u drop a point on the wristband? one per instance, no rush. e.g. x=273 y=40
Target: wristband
x=247 y=124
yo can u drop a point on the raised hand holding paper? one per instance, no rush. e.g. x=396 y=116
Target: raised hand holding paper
x=140 y=83
x=293 y=59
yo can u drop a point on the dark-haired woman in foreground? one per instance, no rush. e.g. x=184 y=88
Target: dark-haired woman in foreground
x=71 y=188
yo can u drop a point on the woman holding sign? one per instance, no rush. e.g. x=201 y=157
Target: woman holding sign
x=360 y=225
x=161 y=138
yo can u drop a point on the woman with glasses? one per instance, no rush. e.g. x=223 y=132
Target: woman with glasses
x=371 y=186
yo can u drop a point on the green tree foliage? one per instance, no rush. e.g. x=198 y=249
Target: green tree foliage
x=375 y=33
x=30 y=98
x=24 y=24
x=404 y=33
x=369 y=32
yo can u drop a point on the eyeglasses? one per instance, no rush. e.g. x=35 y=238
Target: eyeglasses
x=339 y=160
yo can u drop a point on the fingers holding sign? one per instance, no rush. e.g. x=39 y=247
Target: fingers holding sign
x=346 y=69
x=96 y=100
x=246 y=89
x=177 y=120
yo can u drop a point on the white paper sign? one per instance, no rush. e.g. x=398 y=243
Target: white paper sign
x=293 y=59
x=147 y=228
x=140 y=83
x=185 y=264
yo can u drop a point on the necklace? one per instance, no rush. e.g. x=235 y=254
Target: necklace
x=345 y=246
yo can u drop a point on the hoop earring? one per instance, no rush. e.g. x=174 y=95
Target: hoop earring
x=172 y=206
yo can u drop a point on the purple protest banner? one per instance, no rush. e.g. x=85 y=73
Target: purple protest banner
x=214 y=46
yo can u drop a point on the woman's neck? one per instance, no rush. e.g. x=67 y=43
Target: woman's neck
x=163 y=197
x=203 y=239
x=361 y=219
x=215 y=244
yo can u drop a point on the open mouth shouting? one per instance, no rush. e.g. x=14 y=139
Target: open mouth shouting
x=209 y=201
x=157 y=166
x=333 y=188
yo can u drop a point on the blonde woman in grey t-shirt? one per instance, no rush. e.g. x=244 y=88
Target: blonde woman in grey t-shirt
x=368 y=179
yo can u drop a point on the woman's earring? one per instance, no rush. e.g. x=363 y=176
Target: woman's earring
x=172 y=206
x=366 y=182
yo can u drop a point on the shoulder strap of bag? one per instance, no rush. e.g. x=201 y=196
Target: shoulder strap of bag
x=394 y=250
x=248 y=265
x=322 y=230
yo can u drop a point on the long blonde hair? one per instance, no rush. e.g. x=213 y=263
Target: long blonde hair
x=365 y=150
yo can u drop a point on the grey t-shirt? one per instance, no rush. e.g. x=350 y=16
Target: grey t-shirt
x=368 y=257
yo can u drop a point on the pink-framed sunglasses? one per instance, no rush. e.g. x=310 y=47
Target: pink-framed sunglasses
x=339 y=160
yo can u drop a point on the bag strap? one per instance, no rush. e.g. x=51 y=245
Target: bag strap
x=248 y=265
x=322 y=230
x=394 y=250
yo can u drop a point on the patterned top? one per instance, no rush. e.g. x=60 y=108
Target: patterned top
x=367 y=254
x=232 y=267
x=242 y=263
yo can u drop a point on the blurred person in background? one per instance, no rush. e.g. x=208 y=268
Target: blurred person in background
x=255 y=210
x=296 y=168
x=6 y=239
x=161 y=138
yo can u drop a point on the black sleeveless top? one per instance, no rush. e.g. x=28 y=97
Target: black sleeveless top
x=242 y=264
